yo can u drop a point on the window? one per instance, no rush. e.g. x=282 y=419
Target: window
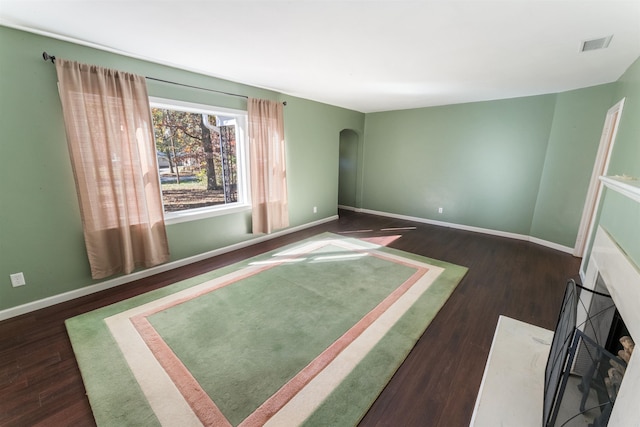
x=200 y=153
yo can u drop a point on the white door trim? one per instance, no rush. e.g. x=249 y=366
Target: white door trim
x=607 y=140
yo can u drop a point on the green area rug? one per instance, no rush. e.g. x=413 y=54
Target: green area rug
x=306 y=335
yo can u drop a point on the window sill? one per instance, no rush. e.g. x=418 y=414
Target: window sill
x=201 y=213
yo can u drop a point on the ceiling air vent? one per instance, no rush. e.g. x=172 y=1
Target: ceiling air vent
x=596 y=44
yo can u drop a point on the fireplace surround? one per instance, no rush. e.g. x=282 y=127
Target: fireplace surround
x=608 y=265
x=588 y=381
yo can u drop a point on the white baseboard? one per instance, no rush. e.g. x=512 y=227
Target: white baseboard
x=468 y=228
x=552 y=245
x=112 y=283
x=348 y=208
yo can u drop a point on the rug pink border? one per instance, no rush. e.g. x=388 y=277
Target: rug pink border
x=203 y=406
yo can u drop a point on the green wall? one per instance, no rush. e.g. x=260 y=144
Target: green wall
x=619 y=215
x=40 y=227
x=312 y=132
x=481 y=162
x=578 y=119
x=517 y=165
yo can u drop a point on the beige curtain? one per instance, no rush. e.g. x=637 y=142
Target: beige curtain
x=110 y=139
x=268 y=166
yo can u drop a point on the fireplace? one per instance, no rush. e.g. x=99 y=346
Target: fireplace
x=606 y=309
x=604 y=325
x=519 y=389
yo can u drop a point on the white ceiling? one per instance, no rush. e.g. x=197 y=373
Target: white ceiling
x=360 y=54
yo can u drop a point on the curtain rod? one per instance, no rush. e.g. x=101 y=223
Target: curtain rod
x=52 y=58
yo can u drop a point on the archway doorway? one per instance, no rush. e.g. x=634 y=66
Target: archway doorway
x=348 y=171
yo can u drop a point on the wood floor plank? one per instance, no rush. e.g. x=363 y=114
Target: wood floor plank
x=40 y=383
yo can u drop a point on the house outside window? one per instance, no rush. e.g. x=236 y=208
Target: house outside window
x=201 y=159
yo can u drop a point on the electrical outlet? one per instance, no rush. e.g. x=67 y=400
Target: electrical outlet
x=315 y=209
x=440 y=210
x=17 y=279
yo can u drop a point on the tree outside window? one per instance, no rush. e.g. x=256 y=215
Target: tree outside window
x=197 y=157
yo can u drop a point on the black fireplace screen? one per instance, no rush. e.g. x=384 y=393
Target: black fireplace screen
x=580 y=396
x=562 y=339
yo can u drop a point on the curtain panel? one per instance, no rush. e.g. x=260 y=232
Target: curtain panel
x=268 y=166
x=113 y=155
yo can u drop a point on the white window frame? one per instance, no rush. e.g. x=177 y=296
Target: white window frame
x=244 y=199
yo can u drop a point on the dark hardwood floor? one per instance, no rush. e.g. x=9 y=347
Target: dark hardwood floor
x=40 y=383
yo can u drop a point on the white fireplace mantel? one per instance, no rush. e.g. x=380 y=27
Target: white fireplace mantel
x=624 y=185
